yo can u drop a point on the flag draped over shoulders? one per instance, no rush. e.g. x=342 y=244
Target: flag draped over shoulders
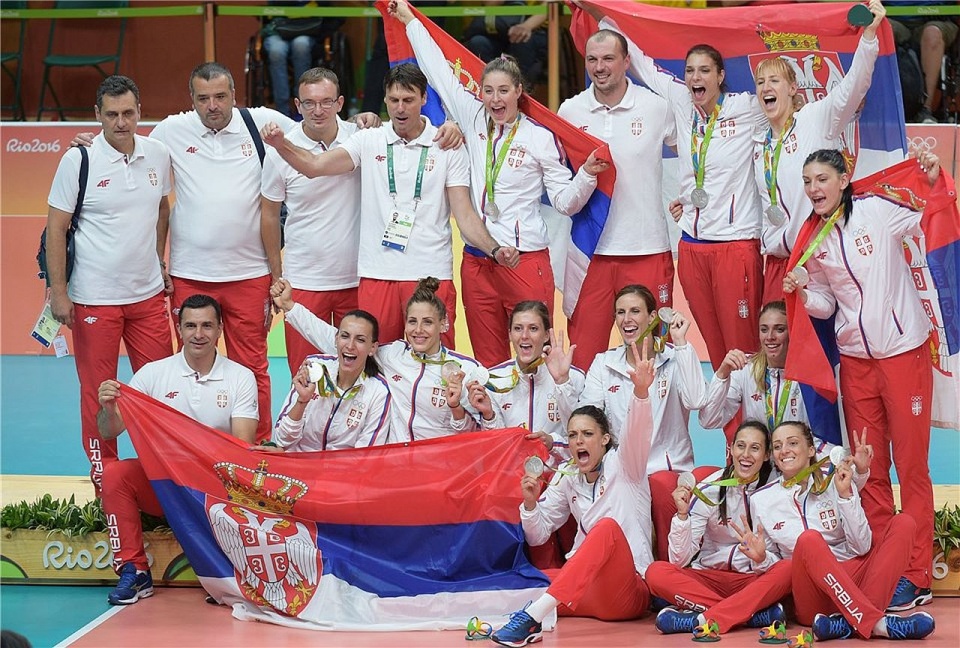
x=403 y=537
x=586 y=225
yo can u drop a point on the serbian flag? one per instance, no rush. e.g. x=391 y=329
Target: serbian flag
x=414 y=536
x=586 y=226
x=934 y=261
x=815 y=40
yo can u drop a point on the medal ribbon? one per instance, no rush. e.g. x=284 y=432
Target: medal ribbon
x=514 y=377
x=391 y=177
x=771 y=159
x=492 y=169
x=327 y=386
x=659 y=341
x=698 y=150
x=802 y=476
x=732 y=481
x=774 y=421
x=822 y=234
x=423 y=359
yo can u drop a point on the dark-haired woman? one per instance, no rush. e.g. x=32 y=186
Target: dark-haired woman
x=338 y=401
x=425 y=403
x=706 y=574
x=513 y=161
x=856 y=266
x=842 y=574
x=605 y=489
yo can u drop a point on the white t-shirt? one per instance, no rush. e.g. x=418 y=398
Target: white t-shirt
x=215 y=222
x=228 y=391
x=116 y=241
x=636 y=130
x=429 y=251
x=322 y=230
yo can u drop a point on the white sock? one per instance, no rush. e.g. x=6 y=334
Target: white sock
x=539 y=609
x=880 y=629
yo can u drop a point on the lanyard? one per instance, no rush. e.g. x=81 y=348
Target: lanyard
x=774 y=421
x=698 y=150
x=822 y=234
x=327 y=386
x=391 y=177
x=492 y=168
x=771 y=159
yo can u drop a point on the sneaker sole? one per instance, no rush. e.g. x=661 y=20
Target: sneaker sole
x=918 y=601
x=144 y=593
x=533 y=638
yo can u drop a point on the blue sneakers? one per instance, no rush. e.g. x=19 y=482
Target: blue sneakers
x=908 y=596
x=519 y=631
x=767 y=617
x=132 y=587
x=671 y=620
x=913 y=626
x=831 y=626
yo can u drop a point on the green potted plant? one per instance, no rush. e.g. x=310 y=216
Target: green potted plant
x=946 y=550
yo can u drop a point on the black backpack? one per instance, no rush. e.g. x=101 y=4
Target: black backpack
x=74 y=224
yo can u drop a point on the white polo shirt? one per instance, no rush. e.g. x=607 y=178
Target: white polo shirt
x=429 y=251
x=636 y=130
x=215 y=222
x=116 y=240
x=228 y=391
x=733 y=210
x=322 y=230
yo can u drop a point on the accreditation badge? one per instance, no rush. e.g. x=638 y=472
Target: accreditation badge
x=397 y=234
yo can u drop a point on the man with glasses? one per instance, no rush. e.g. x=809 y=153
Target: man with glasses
x=323 y=209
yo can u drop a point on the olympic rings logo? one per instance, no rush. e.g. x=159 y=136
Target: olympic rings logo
x=921 y=144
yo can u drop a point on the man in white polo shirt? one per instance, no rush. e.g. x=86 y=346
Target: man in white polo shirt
x=215 y=245
x=320 y=211
x=410 y=186
x=634 y=247
x=195 y=381
x=116 y=290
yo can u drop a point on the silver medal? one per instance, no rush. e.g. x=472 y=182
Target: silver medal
x=687 y=480
x=801 y=275
x=533 y=466
x=838 y=455
x=775 y=215
x=666 y=315
x=448 y=370
x=491 y=211
x=477 y=373
x=699 y=197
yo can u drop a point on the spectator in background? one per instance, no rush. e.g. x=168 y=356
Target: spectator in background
x=934 y=37
x=520 y=36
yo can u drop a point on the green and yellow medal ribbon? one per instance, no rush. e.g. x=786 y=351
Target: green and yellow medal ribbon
x=804 y=474
x=698 y=147
x=732 y=481
x=327 y=386
x=492 y=167
x=771 y=159
x=822 y=234
x=514 y=377
x=775 y=419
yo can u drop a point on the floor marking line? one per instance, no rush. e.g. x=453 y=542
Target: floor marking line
x=90 y=626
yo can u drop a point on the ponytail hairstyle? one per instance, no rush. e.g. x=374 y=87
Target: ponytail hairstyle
x=426 y=293
x=715 y=55
x=835 y=159
x=819 y=484
x=509 y=66
x=728 y=470
x=371 y=367
x=597 y=414
x=758 y=364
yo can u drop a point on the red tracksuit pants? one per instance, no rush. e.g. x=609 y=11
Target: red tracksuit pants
x=490 y=291
x=593 y=317
x=247 y=315
x=859 y=588
x=891 y=398
x=126 y=492
x=600 y=580
x=774 y=270
x=328 y=305
x=728 y=597
x=144 y=328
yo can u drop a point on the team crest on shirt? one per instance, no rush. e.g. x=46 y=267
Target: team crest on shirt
x=916 y=405
x=438 y=396
x=743 y=309
x=663 y=293
x=222 y=398
x=828 y=519
x=818 y=72
x=152 y=175
x=430 y=163
x=727 y=128
x=863 y=243
x=515 y=157
x=355 y=415
x=662 y=387
x=636 y=127
x=553 y=410
x=247 y=148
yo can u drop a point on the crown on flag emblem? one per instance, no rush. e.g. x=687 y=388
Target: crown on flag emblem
x=783 y=41
x=260 y=489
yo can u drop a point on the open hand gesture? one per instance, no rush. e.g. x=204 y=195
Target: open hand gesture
x=752 y=544
x=557 y=359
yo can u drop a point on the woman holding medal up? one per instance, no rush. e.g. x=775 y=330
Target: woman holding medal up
x=842 y=574
x=792 y=136
x=512 y=162
x=427 y=379
x=338 y=401
x=855 y=264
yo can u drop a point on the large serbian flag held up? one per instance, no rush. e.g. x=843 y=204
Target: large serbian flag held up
x=815 y=40
x=405 y=537
x=581 y=233
x=934 y=261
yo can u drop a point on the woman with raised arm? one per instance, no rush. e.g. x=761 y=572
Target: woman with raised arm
x=605 y=489
x=513 y=161
x=338 y=401
x=427 y=402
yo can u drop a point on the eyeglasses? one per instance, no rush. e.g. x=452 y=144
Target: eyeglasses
x=326 y=104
